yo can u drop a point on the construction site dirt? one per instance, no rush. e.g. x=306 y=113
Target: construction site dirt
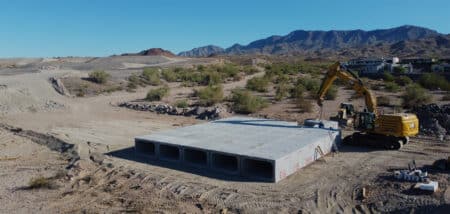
x=69 y=154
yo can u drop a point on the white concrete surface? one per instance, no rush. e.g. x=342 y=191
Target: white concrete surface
x=256 y=148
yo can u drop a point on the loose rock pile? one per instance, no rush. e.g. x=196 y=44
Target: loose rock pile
x=203 y=113
x=434 y=120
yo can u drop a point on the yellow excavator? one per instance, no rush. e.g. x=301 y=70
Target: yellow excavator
x=390 y=131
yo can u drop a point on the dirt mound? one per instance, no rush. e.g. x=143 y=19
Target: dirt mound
x=433 y=119
x=152 y=52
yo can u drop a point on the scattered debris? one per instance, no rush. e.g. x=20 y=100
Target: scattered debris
x=412 y=174
x=50 y=104
x=430 y=186
x=415 y=175
x=97 y=157
x=59 y=86
x=203 y=113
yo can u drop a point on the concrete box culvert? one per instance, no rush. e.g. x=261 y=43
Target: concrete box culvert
x=195 y=157
x=145 y=148
x=260 y=149
x=225 y=162
x=259 y=169
x=169 y=152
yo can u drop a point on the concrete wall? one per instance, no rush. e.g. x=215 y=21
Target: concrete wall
x=250 y=167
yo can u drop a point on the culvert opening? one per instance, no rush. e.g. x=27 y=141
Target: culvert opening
x=194 y=156
x=169 y=152
x=225 y=162
x=258 y=168
x=145 y=148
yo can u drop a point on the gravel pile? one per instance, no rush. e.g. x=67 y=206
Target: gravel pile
x=433 y=119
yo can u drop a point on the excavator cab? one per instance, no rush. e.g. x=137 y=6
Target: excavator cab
x=365 y=121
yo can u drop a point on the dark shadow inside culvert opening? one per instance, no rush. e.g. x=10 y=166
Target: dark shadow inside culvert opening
x=169 y=152
x=129 y=153
x=223 y=162
x=145 y=148
x=258 y=169
x=195 y=156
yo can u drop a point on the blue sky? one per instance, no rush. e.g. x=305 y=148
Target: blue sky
x=46 y=28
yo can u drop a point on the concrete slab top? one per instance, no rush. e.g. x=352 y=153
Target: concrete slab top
x=246 y=136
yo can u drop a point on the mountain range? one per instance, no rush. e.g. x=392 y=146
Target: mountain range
x=405 y=40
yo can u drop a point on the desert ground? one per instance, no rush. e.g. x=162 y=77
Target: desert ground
x=83 y=147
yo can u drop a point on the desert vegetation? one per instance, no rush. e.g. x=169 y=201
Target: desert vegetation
x=157 y=94
x=415 y=95
x=210 y=95
x=244 y=102
x=99 y=76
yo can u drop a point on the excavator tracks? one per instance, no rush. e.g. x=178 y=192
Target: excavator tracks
x=375 y=140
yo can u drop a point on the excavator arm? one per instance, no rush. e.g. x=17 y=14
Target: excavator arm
x=337 y=71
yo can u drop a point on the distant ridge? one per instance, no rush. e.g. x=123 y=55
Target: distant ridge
x=322 y=42
x=204 y=51
x=152 y=52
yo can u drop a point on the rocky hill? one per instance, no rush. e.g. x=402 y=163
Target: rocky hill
x=204 y=51
x=152 y=52
x=434 y=46
x=327 y=42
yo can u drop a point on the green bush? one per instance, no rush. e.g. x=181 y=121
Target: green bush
x=403 y=80
x=250 y=70
x=157 y=94
x=309 y=83
x=391 y=87
x=99 y=76
x=399 y=70
x=40 y=182
x=169 y=75
x=201 y=67
x=331 y=93
x=282 y=91
x=433 y=81
x=283 y=78
x=228 y=70
x=297 y=91
x=388 y=77
x=212 y=78
x=151 y=76
x=259 y=84
x=210 y=95
x=244 y=102
x=182 y=103
x=133 y=81
x=415 y=95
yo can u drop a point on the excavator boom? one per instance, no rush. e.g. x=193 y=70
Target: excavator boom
x=337 y=71
x=387 y=130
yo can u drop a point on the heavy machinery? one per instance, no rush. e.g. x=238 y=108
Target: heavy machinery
x=345 y=115
x=390 y=131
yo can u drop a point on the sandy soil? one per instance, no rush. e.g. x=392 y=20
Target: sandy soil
x=124 y=183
